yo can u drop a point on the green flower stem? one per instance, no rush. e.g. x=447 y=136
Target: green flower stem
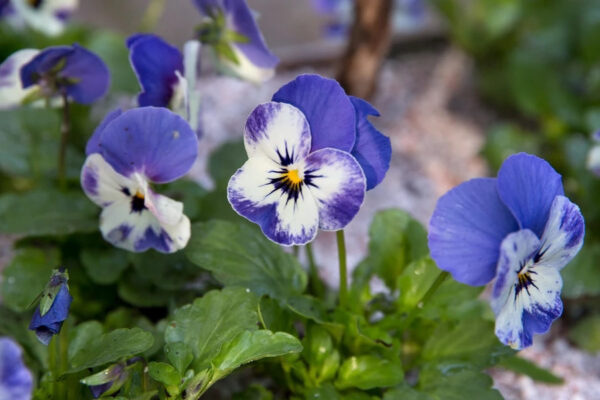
x=53 y=364
x=316 y=285
x=65 y=128
x=296 y=251
x=443 y=275
x=341 y=244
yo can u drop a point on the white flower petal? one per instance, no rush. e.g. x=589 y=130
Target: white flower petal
x=12 y=93
x=102 y=184
x=246 y=69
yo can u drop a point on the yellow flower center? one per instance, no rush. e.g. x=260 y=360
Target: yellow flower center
x=293 y=177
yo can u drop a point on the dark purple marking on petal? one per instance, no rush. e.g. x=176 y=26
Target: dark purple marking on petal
x=161 y=242
x=90 y=181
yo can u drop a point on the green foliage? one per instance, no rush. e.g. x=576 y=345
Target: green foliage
x=586 y=334
x=526 y=367
x=368 y=372
x=238 y=255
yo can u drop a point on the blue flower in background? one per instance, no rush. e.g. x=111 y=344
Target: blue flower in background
x=67 y=70
x=12 y=93
x=166 y=76
x=593 y=157
x=287 y=186
x=518 y=228
x=16 y=381
x=45 y=16
x=232 y=32
x=53 y=309
x=126 y=153
x=341 y=122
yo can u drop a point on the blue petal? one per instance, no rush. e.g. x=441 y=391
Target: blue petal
x=327 y=108
x=94 y=142
x=466 y=229
x=154 y=62
x=16 y=381
x=50 y=323
x=528 y=185
x=153 y=141
x=98 y=390
x=241 y=20
x=372 y=150
x=86 y=74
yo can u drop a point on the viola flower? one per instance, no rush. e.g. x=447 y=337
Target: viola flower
x=231 y=30
x=518 y=228
x=126 y=153
x=593 y=158
x=12 y=93
x=108 y=381
x=53 y=309
x=72 y=71
x=46 y=16
x=289 y=188
x=166 y=76
x=341 y=122
x=16 y=381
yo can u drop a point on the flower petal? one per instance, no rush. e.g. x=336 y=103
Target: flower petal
x=277 y=131
x=563 y=234
x=338 y=185
x=523 y=310
x=244 y=68
x=11 y=89
x=466 y=229
x=154 y=62
x=528 y=185
x=372 y=150
x=16 y=381
x=94 y=142
x=140 y=231
x=153 y=141
x=50 y=323
x=327 y=108
x=101 y=183
x=283 y=220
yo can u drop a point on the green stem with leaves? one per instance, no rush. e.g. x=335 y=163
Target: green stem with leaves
x=315 y=282
x=341 y=245
x=65 y=129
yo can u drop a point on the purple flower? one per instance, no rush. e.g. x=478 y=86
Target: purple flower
x=234 y=35
x=71 y=70
x=126 y=153
x=341 y=122
x=518 y=228
x=53 y=309
x=289 y=188
x=108 y=381
x=16 y=381
x=46 y=16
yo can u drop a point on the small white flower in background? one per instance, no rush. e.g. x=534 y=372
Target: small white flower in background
x=46 y=16
x=593 y=158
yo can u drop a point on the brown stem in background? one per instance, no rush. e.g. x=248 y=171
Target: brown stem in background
x=65 y=127
x=368 y=45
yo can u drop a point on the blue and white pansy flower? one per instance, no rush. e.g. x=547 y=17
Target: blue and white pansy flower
x=518 y=228
x=126 y=153
x=46 y=16
x=12 y=93
x=232 y=32
x=341 y=122
x=167 y=77
x=289 y=188
x=16 y=381
x=66 y=71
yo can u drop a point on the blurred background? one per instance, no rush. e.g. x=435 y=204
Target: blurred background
x=460 y=85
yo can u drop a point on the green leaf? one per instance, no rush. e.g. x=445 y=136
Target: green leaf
x=179 y=355
x=526 y=367
x=466 y=384
x=582 y=276
x=369 y=372
x=470 y=341
x=254 y=392
x=110 y=347
x=27 y=275
x=211 y=321
x=250 y=346
x=313 y=309
x=104 y=266
x=586 y=334
x=109 y=46
x=415 y=281
x=406 y=392
x=396 y=240
x=165 y=374
x=46 y=212
x=238 y=255
x=85 y=333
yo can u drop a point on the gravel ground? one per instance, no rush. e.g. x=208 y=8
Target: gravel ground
x=436 y=125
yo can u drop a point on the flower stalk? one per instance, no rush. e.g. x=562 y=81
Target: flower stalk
x=341 y=245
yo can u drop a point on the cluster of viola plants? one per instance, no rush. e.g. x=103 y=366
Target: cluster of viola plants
x=176 y=288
